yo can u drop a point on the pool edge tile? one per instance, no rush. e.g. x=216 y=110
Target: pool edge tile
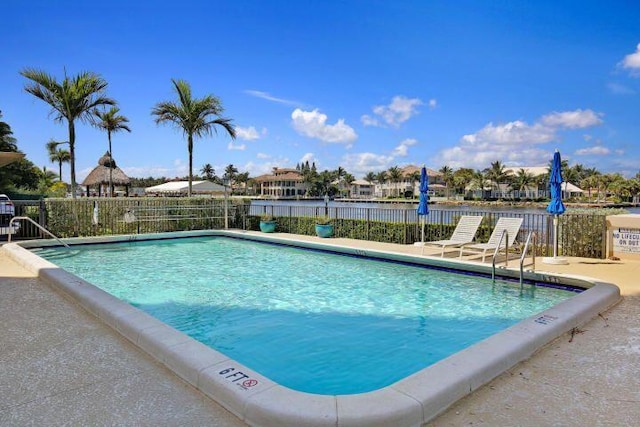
x=266 y=409
x=188 y=359
x=380 y=408
x=232 y=384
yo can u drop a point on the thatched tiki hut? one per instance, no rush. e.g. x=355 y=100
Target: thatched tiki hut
x=99 y=177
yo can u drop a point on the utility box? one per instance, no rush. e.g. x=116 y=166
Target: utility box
x=623 y=236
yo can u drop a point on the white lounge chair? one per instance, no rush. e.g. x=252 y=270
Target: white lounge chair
x=463 y=234
x=512 y=227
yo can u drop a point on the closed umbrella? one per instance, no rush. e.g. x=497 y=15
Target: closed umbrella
x=555 y=207
x=423 y=207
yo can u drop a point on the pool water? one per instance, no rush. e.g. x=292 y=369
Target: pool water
x=312 y=321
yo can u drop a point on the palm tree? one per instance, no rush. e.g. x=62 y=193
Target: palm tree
x=208 y=171
x=230 y=173
x=243 y=178
x=309 y=177
x=196 y=117
x=461 y=178
x=111 y=121
x=497 y=174
x=522 y=180
x=447 y=177
x=347 y=180
x=478 y=182
x=370 y=177
x=47 y=178
x=590 y=182
x=395 y=175
x=58 y=155
x=381 y=178
x=73 y=99
x=617 y=185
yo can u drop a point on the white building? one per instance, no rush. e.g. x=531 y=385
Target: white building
x=181 y=188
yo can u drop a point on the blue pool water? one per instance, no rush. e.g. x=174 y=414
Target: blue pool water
x=312 y=321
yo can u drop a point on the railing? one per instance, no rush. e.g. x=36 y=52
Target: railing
x=17 y=218
x=532 y=236
x=580 y=234
x=497 y=250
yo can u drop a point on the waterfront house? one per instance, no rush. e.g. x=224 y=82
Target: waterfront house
x=410 y=182
x=282 y=183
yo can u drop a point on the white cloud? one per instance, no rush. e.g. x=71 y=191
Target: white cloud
x=577 y=119
x=257 y=169
x=516 y=143
x=632 y=61
x=239 y=147
x=597 y=150
x=263 y=156
x=517 y=132
x=369 y=121
x=309 y=157
x=361 y=163
x=314 y=125
x=403 y=148
x=398 y=111
x=618 y=89
x=268 y=97
x=249 y=134
x=433 y=104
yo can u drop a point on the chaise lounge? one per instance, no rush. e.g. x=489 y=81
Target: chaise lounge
x=510 y=226
x=464 y=233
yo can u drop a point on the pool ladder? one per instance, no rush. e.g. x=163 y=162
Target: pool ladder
x=531 y=237
x=37 y=225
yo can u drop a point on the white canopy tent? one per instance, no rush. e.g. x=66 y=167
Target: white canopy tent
x=181 y=188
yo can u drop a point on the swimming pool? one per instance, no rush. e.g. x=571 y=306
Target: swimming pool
x=317 y=322
x=259 y=400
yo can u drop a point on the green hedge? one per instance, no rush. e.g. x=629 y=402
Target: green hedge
x=581 y=233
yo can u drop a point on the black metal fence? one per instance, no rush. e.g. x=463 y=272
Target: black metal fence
x=582 y=234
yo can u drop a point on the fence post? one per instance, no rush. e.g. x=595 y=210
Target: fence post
x=42 y=214
x=406 y=222
x=368 y=225
x=603 y=245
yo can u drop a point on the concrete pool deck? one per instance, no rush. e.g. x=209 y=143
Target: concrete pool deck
x=63 y=366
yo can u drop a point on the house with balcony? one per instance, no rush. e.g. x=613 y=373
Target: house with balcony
x=283 y=183
x=361 y=189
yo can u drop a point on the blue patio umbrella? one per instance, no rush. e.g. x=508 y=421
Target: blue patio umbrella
x=555 y=207
x=423 y=207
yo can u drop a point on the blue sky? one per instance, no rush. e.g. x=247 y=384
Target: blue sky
x=365 y=85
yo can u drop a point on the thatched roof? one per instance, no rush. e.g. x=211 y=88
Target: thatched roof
x=7 y=157
x=100 y=174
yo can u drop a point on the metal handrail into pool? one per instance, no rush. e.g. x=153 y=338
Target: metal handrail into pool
x=37 y=225
x=497 y=250
x=532 y=236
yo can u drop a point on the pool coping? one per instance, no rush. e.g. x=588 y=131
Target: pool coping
x=259 y=401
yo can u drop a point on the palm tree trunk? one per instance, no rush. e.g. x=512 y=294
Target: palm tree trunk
x=72 y=157
x=110 y=165
x=60 y=169
x=190 y=143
